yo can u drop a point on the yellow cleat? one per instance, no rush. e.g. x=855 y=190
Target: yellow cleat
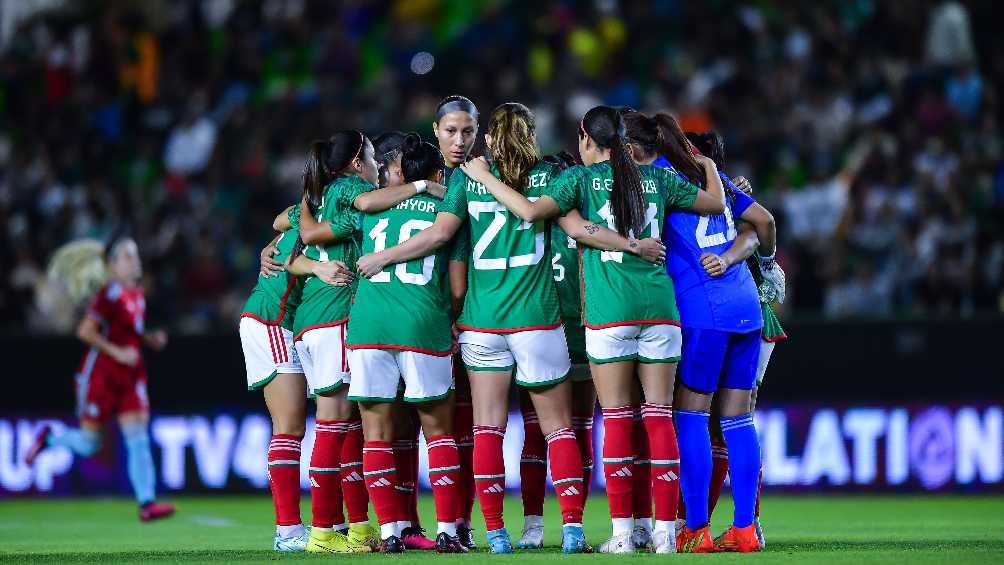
x=363 y=538
x=328 y=541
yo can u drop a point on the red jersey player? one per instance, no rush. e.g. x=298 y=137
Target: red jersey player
x=111 y=380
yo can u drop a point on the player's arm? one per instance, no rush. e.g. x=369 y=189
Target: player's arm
x=334 y=273
x=89 y=332
x=420 y=245
x=712 y=200
x=742 y=248
x=281 y=222
x=541 y=209
x=601 y=237
x=382 y=199
x=313 y=232
x=155 y=339
x=763 y=222
x=458 y=286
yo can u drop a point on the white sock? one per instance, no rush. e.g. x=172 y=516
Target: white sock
x=339 y=527
x=645 y=523
x=533 y=521
x=319 y=529
x=389 y=529
x=286 y=532
x=622 y=526
x=402 y=524
x=449 y=528
x=668 y=526
x=573 y=525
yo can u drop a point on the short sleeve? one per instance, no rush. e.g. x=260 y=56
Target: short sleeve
x=345 y=224
x=741 y=202
x=460 y=245
x=293 y=215
x=350 y=189
x=679 y=193
x=455 y=199
x=565 y=189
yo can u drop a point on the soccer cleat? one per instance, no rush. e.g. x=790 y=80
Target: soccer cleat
x=663 y=541
x=573 y=540
x=393 y=544
x=41 y=438
x=618 y=544
x=694 y=541
x=738 y=540
x=759 y=533
x=532 y=538
x=498 y=541
x=641 y=537
x=327 y=542
x=290 y=544
x=363 y=538
x=414 y=538
x=155 y=511
x=466 y=535
x=445 y=543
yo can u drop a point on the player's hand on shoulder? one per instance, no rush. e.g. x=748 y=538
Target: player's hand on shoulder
x=743 y=184
x=334 y=273
x=434 y=189
x=270 y=266
x=714 y=265
x=477 y=168
x=650 y=249
x=370 y=264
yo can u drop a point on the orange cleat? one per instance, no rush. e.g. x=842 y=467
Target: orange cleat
x=695 y=541
x=739 y=540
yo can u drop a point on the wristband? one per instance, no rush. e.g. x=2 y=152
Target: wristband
x=420 y=186
x=766 y=263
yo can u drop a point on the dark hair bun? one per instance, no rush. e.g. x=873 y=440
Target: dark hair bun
x=412 y=143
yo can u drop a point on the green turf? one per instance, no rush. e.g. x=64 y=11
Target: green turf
x=857 y=529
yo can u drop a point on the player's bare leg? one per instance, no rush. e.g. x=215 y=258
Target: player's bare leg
x=490 y=417
x=286 y=400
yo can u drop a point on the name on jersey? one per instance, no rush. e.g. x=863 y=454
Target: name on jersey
x=417 y=204
x=536 y=180
x=647 y=185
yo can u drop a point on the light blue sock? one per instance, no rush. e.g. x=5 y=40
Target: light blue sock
x=82 y=442
x=695 y=464
x=139 y=462
x=744 y=466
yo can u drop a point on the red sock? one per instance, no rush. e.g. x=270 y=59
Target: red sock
x=413 y=479
x=357 y=500
x=658 y=419
x=444 y=474
x=583 y=427
x=642 y=484
x=759 y=486
x=719 y=470
x=566 y=473
x=381 y=480
x=489 y=473
x=532 y=465
x=402 y=462
x=325 y=473
x=284 y=477
x=618 y=455
x=463 y=432
x=681 y=510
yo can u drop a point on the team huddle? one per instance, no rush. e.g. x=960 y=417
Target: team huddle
x=412 y=284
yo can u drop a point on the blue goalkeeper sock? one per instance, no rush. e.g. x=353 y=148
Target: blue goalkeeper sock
x=81 y=442
x=744 y=466
x=139 y=462
x=695 y=464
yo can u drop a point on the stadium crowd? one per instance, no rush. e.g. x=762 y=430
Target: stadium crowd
x=871 y=129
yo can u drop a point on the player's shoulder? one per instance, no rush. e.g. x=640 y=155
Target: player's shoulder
x=112 y=291
x=574 y=172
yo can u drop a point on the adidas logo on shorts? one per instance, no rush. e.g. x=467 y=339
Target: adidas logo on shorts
x=668 y=476
x=570 y=491
x=494 y=489
x=443 y=482
x=313 y=483
x=353 y=477
x=622 y=472
x=381 y=482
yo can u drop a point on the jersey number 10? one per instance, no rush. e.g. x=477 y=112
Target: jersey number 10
x=379 y=236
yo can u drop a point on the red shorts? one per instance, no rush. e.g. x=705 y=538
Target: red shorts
x=106 y=388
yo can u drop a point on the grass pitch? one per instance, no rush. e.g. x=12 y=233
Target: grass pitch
x=215 y=529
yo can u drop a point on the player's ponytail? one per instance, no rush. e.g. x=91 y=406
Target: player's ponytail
x=327 y=161
x=711 y=144
x=419 y=159
x=605 y=127
x=674 y=146
x=514 y=151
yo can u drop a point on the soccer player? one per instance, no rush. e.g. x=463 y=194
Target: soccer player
x=111 y=381
x=721 y=333
x=274 y=367
x=416 y=348
x=510 y=319
x=533 y=459
x=456 y=129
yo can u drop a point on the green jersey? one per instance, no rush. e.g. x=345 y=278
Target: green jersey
x=623 y=289
x=322 y=304
x=406 y=306
x=565 y=269
x=772 y=330
x=274 y=300
x=509 y=284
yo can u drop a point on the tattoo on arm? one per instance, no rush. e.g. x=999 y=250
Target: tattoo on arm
x=592 y=228
x=632 y=243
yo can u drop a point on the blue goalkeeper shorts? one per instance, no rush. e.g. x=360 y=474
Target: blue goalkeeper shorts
x=714 y=359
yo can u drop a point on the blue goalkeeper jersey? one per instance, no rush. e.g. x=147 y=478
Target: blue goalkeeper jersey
x=729 y=302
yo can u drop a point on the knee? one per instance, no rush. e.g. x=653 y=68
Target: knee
x=288 y=426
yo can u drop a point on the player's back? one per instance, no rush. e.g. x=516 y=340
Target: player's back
x=274 y=299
